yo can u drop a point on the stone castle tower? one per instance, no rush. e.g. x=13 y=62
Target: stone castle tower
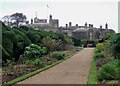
x=53 y=22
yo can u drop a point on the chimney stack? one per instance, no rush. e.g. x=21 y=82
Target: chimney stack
x=86 y=24
x=76 y=24
x=70 y=24
x=106 y=26
x=89 y=25
x=66 y=25
x=92 y=25
x=100 y=26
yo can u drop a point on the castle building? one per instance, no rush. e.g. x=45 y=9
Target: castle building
x=53 y=22
x=85 y=32
x=41 y=24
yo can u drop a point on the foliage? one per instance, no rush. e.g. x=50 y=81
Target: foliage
x=18 y=17
x=7 y=49
x=84 y=43
x=77 y=42
x=100 y=46
x=26 y=40
x=33 y=36
x=52 y=44
x=107 y=51
x=57 y=54
x=34 y=50
x=6 y=19
x=107 y=36
x=38 y=62
x=93 y=42
x=35 y=62
x=99 y=56
x=102 y=61
x=16 y=39
x=110 y=71
x=115 y=45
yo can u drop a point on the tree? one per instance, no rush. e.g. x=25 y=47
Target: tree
x=18 y=17
x=7 y=19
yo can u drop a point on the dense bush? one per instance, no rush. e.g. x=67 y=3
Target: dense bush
x=102 y=61
x=77 y=42
x=57 y=54
x=107 y=36
x=115 y=45
x=100 y=46
x=34 y=50
x=110 y=71
x=99 y=56
x=38 y=62
x=84 y=43
x=52 y=44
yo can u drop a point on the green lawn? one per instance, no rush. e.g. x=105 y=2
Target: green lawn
x=92 y=79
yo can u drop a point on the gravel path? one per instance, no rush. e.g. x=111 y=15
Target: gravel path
x=74 y=70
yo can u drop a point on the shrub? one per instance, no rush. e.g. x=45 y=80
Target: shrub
x=97 y=50
x=109 y=71
x=84 y=43
x=100 y=46
x=37 y=62
x=115 y=45
x=34 y=50
x=57 y=54
x=102 y=61
x=77 y=42
x=52 y=44
x=99 y=56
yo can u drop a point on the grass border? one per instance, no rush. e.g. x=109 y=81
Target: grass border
x=92 y=79
x=21 y=78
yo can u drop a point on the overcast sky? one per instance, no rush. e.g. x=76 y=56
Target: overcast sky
x=96 y=12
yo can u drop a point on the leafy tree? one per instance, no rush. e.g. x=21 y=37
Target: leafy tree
x=18 y=17
x=7 y=19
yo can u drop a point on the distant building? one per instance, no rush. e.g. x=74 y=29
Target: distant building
x=53 y=22
x=41 y=24
x=86 y=32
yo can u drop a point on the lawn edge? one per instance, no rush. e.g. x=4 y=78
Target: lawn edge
x=92 y=78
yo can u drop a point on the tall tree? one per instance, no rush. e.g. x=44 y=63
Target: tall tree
x=18 y=17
